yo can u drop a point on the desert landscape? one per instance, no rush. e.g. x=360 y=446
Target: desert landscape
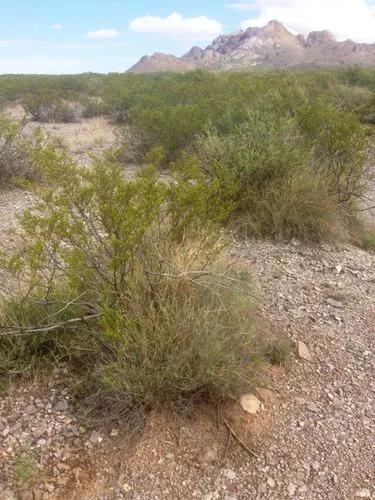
x=187 y=275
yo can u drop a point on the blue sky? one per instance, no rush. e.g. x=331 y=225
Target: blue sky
x=71 y=36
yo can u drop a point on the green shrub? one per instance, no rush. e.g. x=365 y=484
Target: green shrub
x=184 y=332
x=91 y=106
x=358 y=76
x=51 y=108
x=150 y=312
x=279 y=350
x=339 y=145
x=288 y=170
x=241 y=137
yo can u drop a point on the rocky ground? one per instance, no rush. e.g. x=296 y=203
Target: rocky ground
x=314 y=439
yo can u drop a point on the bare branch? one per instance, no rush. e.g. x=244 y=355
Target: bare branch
x=241 y=442
x=19 y=331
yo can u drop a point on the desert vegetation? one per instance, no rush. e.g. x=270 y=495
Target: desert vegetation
x=115 y=281
x=127 y=282
x=16 y=162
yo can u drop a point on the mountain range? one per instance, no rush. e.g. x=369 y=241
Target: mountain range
x=270 y=46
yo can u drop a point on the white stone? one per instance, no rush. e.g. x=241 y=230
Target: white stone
x=292 y=489
x=61 y=405
x=94 y=437
x=303 y=351
x=271 y=482
x=229 y=474
x=363 y=493
x=251 y=404
x=31 y=409
x=295 y=242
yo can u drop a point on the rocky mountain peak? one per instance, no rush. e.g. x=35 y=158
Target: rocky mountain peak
x=194 y=53
x=275 y=27
x=320 y=37
x=270 y=46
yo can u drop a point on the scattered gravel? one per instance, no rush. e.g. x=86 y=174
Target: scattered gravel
x=38 y=426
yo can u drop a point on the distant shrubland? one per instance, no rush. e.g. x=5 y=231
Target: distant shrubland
x=285 y=150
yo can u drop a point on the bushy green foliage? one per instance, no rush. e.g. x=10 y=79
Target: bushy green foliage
x=357 y=75
x=116 y=280
x=290 y=165
x=46 y=108
x=244 y=139
x=170 y=110
x=14 y=88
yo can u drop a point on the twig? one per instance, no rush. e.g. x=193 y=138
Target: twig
x=229 y=442
x=19 y=331
x=65 y=306
x=244 y=446
x=364 y=209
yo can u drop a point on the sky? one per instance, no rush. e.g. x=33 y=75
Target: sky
x=74 y=36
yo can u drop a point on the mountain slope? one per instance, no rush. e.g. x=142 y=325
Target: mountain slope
x=271 y=46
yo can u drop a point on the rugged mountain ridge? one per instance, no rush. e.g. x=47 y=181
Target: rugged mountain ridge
x=271 y=46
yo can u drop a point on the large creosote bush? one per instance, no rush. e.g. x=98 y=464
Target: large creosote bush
x=287 y=171
x=151 y=313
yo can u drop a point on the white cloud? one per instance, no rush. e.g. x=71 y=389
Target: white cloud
x=103 y=33
x=178 y=27
x=353 y=19
x=57 y=27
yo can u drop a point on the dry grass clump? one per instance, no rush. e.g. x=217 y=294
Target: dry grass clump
x=298 y=205
x=186 y=333
x=364 y=236
x=15 y=154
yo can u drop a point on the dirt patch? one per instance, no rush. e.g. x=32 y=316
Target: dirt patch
x=83 y=139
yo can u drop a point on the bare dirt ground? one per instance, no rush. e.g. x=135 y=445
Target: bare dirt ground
x=82 y=139
x=313 y=440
